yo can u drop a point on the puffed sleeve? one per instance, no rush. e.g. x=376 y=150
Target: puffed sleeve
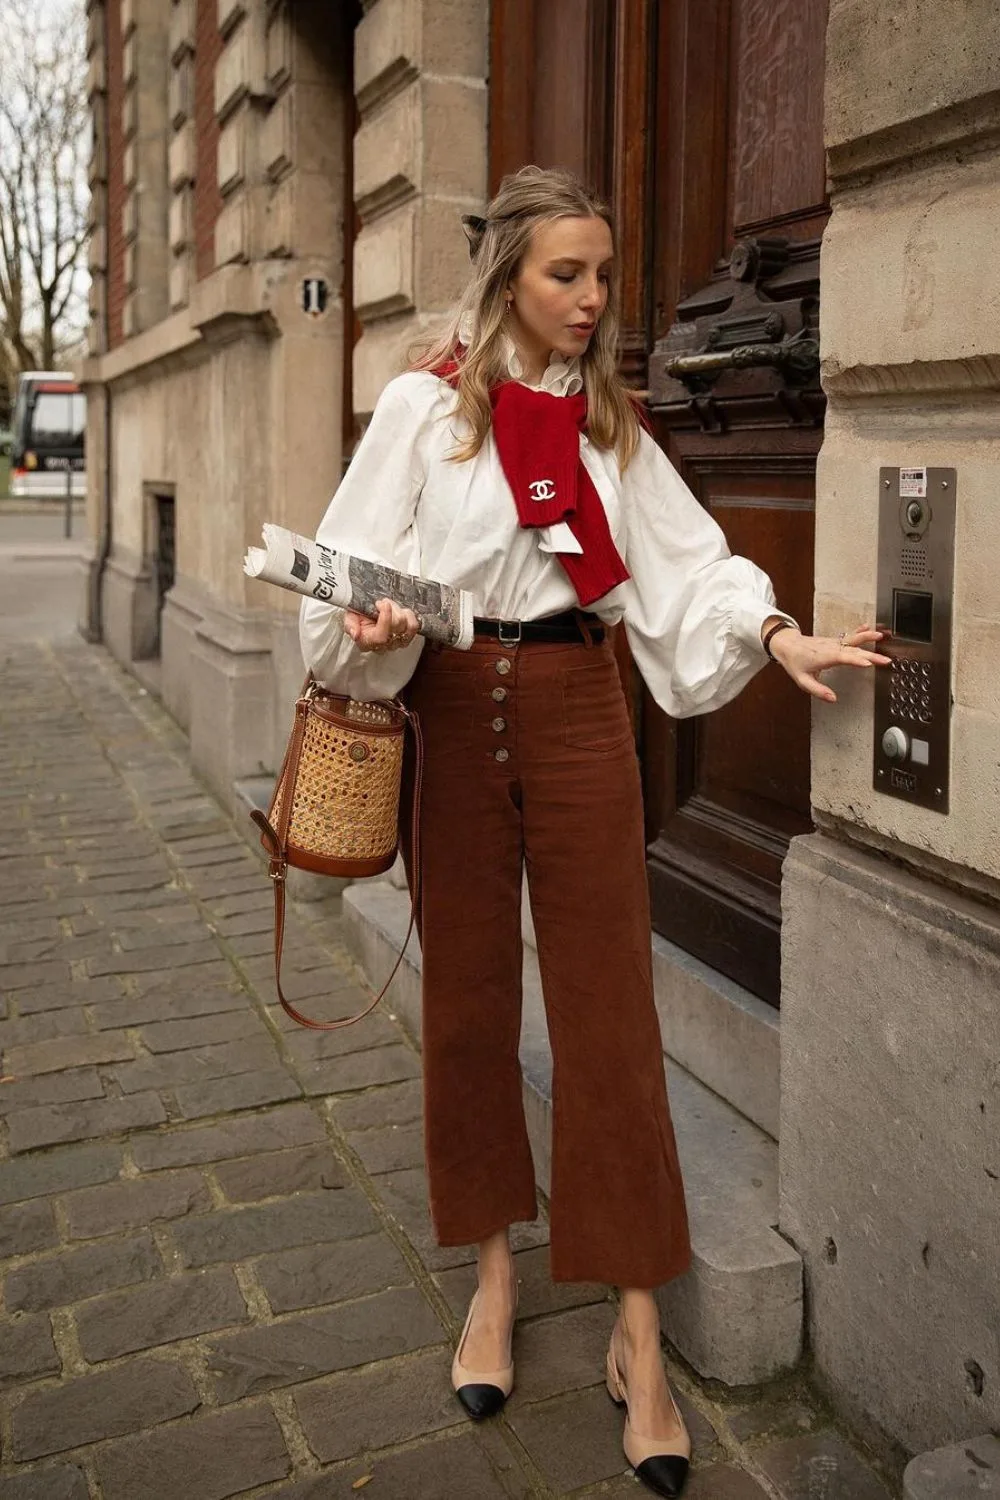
x=372 y=515
x=693 y=613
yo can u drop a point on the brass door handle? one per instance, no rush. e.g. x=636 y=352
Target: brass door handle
x=798 y=357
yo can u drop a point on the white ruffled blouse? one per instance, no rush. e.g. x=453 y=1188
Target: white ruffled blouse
x=692 y=612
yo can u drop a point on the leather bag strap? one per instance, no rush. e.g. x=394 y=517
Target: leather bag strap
x=278 y=871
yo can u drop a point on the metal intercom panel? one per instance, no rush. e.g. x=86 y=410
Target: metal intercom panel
x=916 y=566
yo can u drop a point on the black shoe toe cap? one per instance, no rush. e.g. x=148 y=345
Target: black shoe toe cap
x=481 y=1400
x=665 y=1473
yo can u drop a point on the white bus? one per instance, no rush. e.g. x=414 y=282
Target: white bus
x=47 y=436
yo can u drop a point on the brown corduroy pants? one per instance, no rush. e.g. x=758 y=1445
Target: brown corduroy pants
x=530 y=762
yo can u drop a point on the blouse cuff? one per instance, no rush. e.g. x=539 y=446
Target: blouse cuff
x=342 y=667
x=749 y=611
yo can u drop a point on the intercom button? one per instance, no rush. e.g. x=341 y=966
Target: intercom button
x=895 y=744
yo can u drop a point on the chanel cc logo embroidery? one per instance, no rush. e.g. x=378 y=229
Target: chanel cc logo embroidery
x=542 y=489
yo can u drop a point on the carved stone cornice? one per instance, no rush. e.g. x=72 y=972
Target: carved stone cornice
x=923 y=377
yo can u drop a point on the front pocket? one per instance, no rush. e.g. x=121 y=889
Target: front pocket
x=595 y=714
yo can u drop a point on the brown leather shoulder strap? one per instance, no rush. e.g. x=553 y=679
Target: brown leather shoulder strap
x=279 y=869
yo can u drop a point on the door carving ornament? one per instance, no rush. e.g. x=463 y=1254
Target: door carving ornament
x=744 y=350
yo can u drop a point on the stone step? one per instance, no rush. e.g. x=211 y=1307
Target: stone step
x=736 y=1316
x=964 y=1471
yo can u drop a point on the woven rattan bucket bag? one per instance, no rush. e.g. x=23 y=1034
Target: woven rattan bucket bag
x=335 y=808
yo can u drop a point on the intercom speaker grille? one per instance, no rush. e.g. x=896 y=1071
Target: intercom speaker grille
x=913 y=561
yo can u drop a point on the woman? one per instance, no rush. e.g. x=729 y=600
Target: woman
x=511 y=462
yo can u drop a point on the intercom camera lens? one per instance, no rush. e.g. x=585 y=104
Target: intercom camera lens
x=914 y=513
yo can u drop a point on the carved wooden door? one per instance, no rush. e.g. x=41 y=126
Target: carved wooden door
x=703 y=120
x=735 y=218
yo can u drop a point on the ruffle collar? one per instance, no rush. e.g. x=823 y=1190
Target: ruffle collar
x=562 y=376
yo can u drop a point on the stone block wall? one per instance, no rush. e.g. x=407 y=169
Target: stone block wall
x=144 y=127
x=104 y=95
x=226 y=389
x=221 y=195
x=108 y=208
x=97 y=174
x=182 y=156
x=890 y=979
x=911 y=346
x=890 y=1140
x=207 y=200
x=420 y=161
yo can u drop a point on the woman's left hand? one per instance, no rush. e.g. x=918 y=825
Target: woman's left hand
x=804 y=657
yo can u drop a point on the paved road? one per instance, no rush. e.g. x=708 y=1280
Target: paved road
x=22 y=522
x=40 y=577
x=218 y=1276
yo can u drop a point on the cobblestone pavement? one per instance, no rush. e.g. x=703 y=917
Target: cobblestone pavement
x=218 y=1277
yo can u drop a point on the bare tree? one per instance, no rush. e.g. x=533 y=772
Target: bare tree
x=44 y=144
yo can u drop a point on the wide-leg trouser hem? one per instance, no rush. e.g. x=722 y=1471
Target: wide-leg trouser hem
x=614 y=1271
x=450 y=1238
x=618 y=1271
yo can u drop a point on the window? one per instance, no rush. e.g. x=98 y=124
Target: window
x=59 y=419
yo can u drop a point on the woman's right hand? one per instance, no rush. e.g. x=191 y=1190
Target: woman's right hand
x=395 y=627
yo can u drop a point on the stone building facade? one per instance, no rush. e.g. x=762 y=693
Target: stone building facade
x=276 y=192
x=224 y=324
x=890 y=1115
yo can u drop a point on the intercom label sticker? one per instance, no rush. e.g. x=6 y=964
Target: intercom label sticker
x=913 y=484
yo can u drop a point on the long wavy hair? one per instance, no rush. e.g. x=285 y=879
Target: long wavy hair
x=526 y=199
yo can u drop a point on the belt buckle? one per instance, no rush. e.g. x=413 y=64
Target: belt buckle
x=509 y=640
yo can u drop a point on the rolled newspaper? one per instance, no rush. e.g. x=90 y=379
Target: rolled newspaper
x=341 y=578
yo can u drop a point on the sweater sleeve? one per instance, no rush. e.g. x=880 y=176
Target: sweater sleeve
x=373 y=515
x=693 y=613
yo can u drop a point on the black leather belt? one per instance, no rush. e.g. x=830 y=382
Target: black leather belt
x=567 y=626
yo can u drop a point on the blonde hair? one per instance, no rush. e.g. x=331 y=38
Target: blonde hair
x=525 y=200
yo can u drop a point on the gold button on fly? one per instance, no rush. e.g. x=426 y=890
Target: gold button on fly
x=499 y=725
x=503 y=666
x=499 y=695
x=501 y=755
